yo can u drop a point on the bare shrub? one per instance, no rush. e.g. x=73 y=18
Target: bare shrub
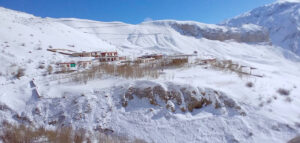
x=49 y=69
x=183 y=109
x=28 y=134
x=50 y=46
x=23 y=44
x=228 y=66
x=20 y=73
x=249 y=84
x=126 y=71
x=79 y=136
x=178 y=62
x=284 y=92
x=218 y=105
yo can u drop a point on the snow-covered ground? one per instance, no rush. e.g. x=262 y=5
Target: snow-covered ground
x=246 y=114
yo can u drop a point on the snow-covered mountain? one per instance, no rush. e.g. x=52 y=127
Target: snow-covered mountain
x=147 y=108
x=281 y=19
x=151 y=31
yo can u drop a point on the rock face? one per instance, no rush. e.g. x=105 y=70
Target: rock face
x=180 y=98
x=281 y=19
x=246 y=33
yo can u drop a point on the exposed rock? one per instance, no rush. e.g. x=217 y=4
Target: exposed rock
x=221 y=33
x=180 y=97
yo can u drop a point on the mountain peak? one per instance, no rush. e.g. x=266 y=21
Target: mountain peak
x=281 y=19
x=289 y=1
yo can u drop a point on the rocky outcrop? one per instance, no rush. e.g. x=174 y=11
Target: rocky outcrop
x=180 y=98
x=247 y=34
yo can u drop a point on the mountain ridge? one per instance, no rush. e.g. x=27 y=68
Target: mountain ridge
x=281 y=19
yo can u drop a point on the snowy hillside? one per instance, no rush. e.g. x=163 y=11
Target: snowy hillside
x=25 y=40
x=166 y=35
x=281 y=19
x=193 y=103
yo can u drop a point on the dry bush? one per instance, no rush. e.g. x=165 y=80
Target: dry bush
x=172 y=63
x=27 y=134
x=49 y=69
x=178 y=62
x=127 y=71
x=284 y=92
x=183 y=109
x=229 y=66
x=20 y=73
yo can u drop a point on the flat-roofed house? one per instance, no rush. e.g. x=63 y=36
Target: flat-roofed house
x=67 y=66
x=82 y=54
x=84 y=64
x=108 y=57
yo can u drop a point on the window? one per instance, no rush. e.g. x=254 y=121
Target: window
x=73 y=65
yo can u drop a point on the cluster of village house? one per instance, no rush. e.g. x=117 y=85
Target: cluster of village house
x=97 y=57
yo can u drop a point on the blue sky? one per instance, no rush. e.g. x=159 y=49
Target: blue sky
x=136 y=11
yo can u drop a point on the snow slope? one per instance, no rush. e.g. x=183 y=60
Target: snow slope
x=257 y=114
x=166 y=35
x=281 y=19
